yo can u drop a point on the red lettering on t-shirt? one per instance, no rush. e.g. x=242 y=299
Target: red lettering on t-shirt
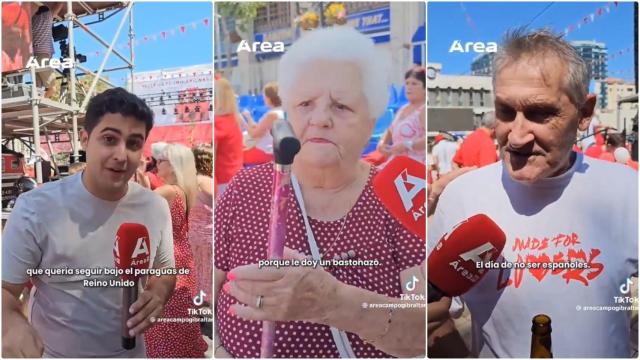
x=544 y=244
x=531 y=243
x=575 y=274
x=536 y=256
x=557 y=239
x=571 y=240
x=520 y=245
x=597 y=266
x=538 y=272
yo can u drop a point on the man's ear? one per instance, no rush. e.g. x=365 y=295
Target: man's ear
x=586 y=112
x=84 y=139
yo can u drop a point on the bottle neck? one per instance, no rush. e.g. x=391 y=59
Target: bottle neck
x=541 y=345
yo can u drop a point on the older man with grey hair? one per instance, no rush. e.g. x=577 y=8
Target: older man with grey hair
x=478 y=149
x=541 y=196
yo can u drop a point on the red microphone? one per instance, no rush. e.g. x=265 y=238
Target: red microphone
x=131 y=252
x=452 y=265
x=401 y=188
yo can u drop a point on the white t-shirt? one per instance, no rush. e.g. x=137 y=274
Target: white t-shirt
x=444 y=151
x=590 y=211
x=586 y=142
x=62 y=225
x=265 y=143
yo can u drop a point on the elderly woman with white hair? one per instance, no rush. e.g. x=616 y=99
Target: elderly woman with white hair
x=333 y=85
x=177 y=168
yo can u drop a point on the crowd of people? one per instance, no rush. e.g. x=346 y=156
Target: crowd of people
x=170 y=192
x=480 y=148
x=242 y=142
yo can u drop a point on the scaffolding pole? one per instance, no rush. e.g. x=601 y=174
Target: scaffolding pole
x=131 y=51
x=35 y=101
x=53 y=153
x=101 y=41
x=89 y=72
x=83 y=107
x=70 y=17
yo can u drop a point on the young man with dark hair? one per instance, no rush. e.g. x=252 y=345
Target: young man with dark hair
x=72 y=223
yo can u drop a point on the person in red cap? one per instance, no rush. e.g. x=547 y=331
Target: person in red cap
x=478 y=149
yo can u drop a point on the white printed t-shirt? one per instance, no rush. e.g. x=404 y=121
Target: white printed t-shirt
x=62 y=225
x=445 y=151
x=589 y=214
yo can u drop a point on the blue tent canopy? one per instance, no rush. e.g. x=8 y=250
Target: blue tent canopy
x=418 y=41
x=419 y=35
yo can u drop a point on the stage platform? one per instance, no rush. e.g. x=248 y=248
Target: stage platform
x=17 y=116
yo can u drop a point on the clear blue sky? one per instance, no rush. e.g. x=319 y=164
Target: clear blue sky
x=193 y=47
x=447 y=22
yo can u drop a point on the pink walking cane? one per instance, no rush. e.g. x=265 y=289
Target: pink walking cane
x=285 y=148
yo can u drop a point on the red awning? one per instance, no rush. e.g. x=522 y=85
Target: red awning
x=186 y=134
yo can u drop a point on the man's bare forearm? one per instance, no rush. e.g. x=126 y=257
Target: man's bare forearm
x=11 y=310
x=356 y=310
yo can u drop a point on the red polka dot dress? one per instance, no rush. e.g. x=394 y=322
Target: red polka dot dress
x=368 y=231
x=175 y=339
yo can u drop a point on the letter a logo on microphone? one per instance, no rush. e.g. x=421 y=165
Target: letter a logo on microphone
x=407 y=196
x=474 y=254
x=141 y=248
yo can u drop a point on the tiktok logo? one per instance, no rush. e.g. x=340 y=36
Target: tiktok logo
x=198 y=300
x=411 y=285
x=626 y=287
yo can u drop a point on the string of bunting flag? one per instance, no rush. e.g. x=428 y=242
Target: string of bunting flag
x=590 y=18
x=178 y=77
x=160 y=35
x=614 y=55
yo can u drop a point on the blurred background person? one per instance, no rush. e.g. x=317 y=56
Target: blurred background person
x=588 y=138
x=48 y=171
x=176 y=167
x=41 y=32
x=406 y=134
x=152 y=165
x=227 y=134
x=479 y=148
x=201 y=219
x=260 y=140
x=76 y=167
x=443 y=152
x=614 y=141
x=147 y=172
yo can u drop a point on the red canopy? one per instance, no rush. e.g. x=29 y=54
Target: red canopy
x=186 y=134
